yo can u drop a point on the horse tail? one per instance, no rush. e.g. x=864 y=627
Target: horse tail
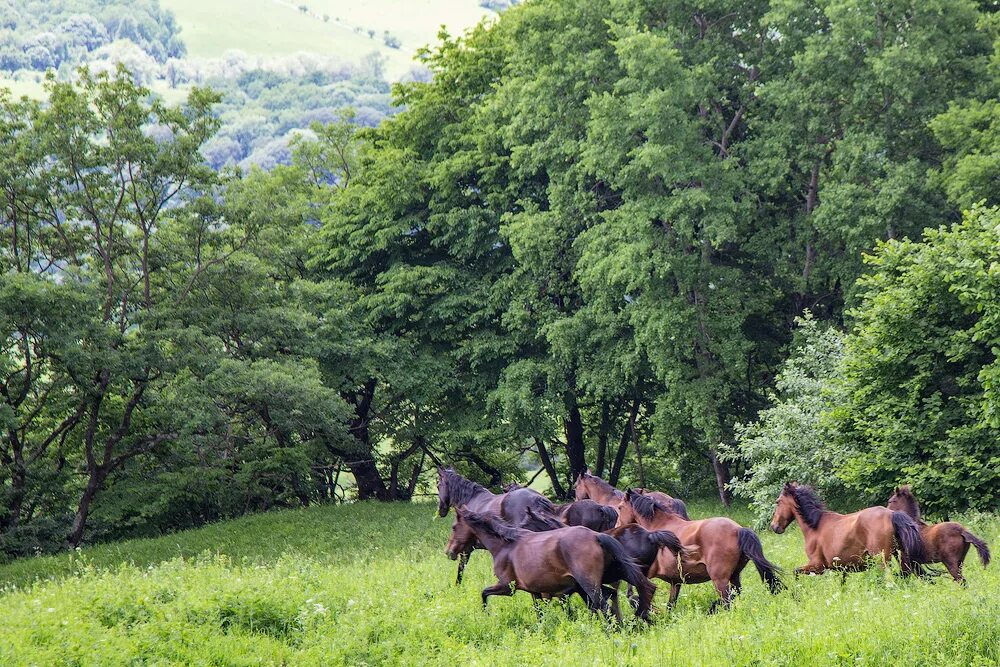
x=752 y=548
x=984 y=551
x=911 y=545
x=631 y=572
x=666 y=539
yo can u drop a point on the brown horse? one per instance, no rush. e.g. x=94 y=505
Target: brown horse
x=845 y=542
x=589 y=513
x=557 y=562
x=715 y=549
x=592 y=487
x=455 y=490
x=947 y=542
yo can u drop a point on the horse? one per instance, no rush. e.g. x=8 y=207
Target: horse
x=846 y=541
x=455 y=490
x=592 y=487
x=947 y=542
x=557 y=562
x=715 y=549
x=589 y=513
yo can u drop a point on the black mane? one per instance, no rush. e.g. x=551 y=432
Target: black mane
x=811 y=508
x=645 y=506
x=540 y=521
x=460 y=489
x=496 y=527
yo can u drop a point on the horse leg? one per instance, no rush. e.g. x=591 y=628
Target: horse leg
x=611 y=593
x=675 y=590
x=810 y=568
x=735 y=583
x=954 y=567
x=463 y=559
x=725 y=594
x=500 y=588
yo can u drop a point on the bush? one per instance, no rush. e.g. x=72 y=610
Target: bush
x=922 y=371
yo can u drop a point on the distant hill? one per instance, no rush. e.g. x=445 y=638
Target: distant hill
x=280 y=64
x=345 y=29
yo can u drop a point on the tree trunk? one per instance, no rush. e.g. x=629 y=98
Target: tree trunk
x=721 y=470
x=550 y=469
x=366 y=475
x=18 y=485
x=616 y=465
x=575 y=447
x=94 y=482
x=603 y=433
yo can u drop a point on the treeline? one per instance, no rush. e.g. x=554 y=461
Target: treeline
x=586 y=242
x=43 y=34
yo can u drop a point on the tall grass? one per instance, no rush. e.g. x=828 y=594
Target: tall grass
x=369 y=584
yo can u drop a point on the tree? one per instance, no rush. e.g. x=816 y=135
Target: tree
x=921 y=371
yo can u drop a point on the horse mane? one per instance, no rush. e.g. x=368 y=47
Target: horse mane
x=497 y=527
x=460 y=489
x=645 y=506
x=541 y=520
x=905 y=495
x=810 y=506
x=603 y=484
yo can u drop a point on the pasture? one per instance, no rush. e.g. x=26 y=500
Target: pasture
x=369 y=584
x=278 y=27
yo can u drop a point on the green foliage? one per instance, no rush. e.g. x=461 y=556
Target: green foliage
x=794 y=439
x=921 y=370
x=41 y=34
x=369 y=584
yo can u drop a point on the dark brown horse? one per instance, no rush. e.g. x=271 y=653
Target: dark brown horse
x=457 y=491
x=592 y=487
x=715 y=549
x=846 y=542
x=557 y=562
x=589 y=513
x=947 y=542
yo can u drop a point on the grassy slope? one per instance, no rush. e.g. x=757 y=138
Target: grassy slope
x=276 y=27
x=368 y=584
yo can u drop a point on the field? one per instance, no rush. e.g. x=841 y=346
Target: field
x=277 y=27
x=369 y=584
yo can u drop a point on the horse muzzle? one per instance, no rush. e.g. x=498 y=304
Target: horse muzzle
x=453 y=555
x=777 y=529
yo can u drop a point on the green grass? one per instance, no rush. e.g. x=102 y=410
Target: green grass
x=277 y=27
x=369 y=584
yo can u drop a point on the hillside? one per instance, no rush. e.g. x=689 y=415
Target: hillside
x=347 y=30
x=369 y=584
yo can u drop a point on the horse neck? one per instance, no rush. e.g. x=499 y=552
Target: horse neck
x=804 y=525
x=604 y=494
x=493 y=543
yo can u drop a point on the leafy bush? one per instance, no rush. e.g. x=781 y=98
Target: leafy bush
x=922 y=371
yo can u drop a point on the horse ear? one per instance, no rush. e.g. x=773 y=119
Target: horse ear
x=629 y=494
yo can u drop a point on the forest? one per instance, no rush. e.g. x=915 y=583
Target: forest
x=704 y=247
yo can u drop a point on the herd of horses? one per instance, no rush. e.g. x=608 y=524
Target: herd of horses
x=606 y=536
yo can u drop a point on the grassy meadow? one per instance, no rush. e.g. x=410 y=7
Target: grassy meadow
x=368 y=584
